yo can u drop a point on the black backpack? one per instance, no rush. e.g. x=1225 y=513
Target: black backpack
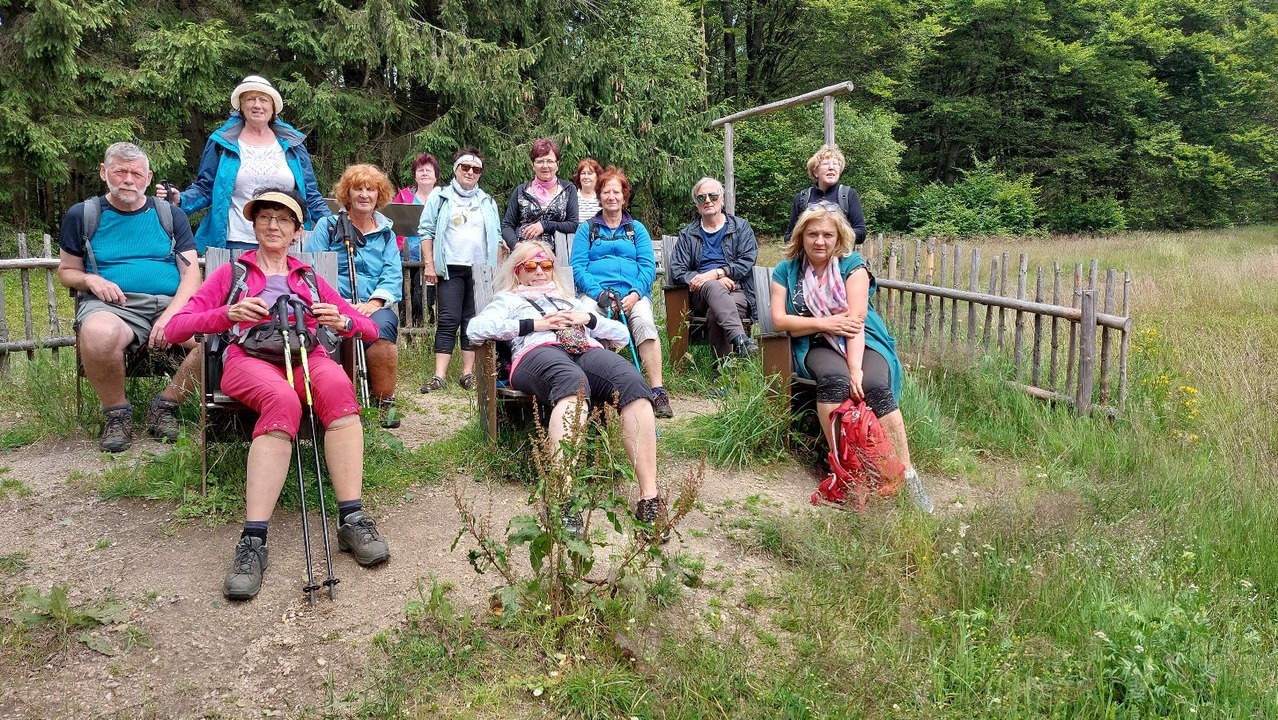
x=843 y=198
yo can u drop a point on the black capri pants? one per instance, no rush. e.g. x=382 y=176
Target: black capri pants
x=833 y=385
x=456 y=308
x=551 y=374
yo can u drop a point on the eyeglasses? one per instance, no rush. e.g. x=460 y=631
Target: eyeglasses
x=283 y=222
x=534 y=264
x=464 y=168
x=545 y=161
x=703 y=197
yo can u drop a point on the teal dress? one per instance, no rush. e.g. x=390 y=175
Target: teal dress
x=789 y=274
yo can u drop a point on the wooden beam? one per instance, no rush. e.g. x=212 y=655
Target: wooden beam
x=832 y=90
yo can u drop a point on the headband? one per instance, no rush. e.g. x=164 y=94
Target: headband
x=468 y=158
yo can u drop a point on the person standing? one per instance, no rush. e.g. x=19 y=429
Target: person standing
x=825 y=167
x=132 y=260
x=425 y=181
x=544 y=205
x=587 y=181
x=714 y=256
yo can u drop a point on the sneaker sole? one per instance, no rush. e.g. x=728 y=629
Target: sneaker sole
x=365 y=563
x=663 y=414
x=241 y=596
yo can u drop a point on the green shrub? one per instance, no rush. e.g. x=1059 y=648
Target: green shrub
x=1087 y=215
x=984 y=202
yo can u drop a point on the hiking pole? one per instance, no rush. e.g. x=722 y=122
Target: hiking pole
x=634 y=354
x=352 y=238
x=280 y=320
x=299 y=313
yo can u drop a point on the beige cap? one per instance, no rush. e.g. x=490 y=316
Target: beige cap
x=275 y=197
x=257 y=83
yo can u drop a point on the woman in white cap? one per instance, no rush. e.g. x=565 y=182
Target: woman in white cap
x=460 y=228
x=253 y=150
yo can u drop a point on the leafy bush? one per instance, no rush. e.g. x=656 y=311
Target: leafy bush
x=984 y=202
x=1087 y=215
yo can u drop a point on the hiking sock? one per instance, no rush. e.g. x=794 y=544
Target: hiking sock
x=346 y=507
x=659 y=388
x=255 y=528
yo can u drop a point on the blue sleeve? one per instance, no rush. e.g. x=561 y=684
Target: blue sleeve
x=430 y=215
x=199 y=194
x=392 y=280
x=647 y=261
x=321 y=238
x=316 y=208
x=581 y=277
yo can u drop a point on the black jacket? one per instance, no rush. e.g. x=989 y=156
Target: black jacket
x=522 y=210
x=740 y=248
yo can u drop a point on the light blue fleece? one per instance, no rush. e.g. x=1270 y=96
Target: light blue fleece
x=435 y=221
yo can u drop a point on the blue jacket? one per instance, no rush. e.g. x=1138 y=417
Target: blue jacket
x=788 y=274
x=378 y=267
x=612 y=261
x=219 y=165
x=435 y=221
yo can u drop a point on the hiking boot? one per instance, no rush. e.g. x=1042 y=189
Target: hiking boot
x=661 y=404
x=744 y=346
x=162 y=420
x=117 y=432
x=571 y=521
x=917 y=493
x=244 y=579
x=436 y=384
x=648 y=512
x=468 y=381
x=390 y=416
x=359 y=537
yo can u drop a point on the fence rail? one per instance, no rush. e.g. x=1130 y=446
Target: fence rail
x=1061 y=341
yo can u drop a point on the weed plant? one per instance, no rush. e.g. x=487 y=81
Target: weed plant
x=750 y=425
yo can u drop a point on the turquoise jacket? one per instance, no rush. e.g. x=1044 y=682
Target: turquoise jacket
x=435 y=221
x=219 y=165
x=378 y=267
x=788 y=274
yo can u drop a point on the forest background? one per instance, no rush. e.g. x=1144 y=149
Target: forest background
x=969 y=116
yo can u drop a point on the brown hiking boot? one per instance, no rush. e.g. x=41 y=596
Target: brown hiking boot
x=117 y=432
x=162 y=420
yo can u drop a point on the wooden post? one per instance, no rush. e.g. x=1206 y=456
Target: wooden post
x=4 y=330
x=914 y=297
x=1086 y=354
x=729 y=172
x=1002 y=312
x=28 y=326
x=1018 y=340
x=1111 y=277
x=1056 y=300
x=1124 y=342
x=973 y=286
x=50 y=288
x=1073 y=329
x=989 y=309
x=828 y=102
x=1036 y=373
x=931 y=280
x=954 y=321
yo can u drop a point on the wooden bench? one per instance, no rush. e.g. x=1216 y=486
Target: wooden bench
x=216 y=407
x=681 y=322
x=778 y=358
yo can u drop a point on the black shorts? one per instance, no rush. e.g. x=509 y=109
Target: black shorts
x=551 y=374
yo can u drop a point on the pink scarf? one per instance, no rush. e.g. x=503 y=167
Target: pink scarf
x=826 y=296
x=544 y=191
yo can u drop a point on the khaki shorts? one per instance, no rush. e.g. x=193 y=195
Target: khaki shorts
x=139 y=312
x=642 y=325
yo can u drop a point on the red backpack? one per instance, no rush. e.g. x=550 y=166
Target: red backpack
x=863 y=462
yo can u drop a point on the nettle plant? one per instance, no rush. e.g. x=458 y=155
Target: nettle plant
x=581 y=478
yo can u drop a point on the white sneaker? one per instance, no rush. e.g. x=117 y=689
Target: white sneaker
x=917 y=493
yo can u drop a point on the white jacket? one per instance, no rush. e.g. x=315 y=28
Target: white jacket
x=500 y=321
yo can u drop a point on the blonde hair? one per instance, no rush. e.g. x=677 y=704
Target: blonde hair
x=817 y=213
x=364 y=175
x=508 y=280
x=827 y=152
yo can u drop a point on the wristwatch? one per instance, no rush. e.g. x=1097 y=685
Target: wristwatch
x=349 y=323
x=721 y=273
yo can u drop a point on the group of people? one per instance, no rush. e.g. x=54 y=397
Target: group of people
x=133 y=259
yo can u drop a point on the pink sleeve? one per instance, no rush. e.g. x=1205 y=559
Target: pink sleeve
x=205 y=312
x=362 y=324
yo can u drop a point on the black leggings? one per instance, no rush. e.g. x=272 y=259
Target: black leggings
x=456 y=308
x=831 y=372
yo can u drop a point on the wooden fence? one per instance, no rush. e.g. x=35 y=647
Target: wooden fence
x=1058 y=328
x=54 y=331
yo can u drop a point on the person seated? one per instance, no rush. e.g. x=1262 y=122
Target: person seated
x=613 y=266
x=822 y=297
x=825 y=167
x=277 y=217
x=556 y=350
x=379 y=274
x=133 y=269
x=714 y=256
x=544 y=205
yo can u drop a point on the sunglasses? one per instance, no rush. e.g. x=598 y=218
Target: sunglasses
x=470 y=169
x=534 y=264
x=703 y=197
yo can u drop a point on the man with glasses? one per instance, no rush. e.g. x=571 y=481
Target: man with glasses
x=132 y=261
x=824 y=168
x=714 y=256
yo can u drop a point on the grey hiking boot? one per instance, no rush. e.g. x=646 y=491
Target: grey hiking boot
x=161 y=420
x=389 y=414
x=661 y=404
x=117 y=430
x=359 y=537
x=244 y=579
x=917 y=492
x=648 y=512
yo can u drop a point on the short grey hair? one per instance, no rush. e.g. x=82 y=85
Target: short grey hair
x=697 y=186
x=126 y=152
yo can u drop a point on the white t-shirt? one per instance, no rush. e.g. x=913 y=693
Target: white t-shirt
x=464 y=238
x=261 y=166
x=587 y=208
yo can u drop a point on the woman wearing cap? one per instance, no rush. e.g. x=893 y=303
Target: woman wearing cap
x=276 y=216
x=460 y=228
x=253 y=150
x=544 y=205
x=822 y=295
x=557 y=352
x=379 y=274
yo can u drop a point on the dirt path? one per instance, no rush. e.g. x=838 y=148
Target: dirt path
x=183 y=651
